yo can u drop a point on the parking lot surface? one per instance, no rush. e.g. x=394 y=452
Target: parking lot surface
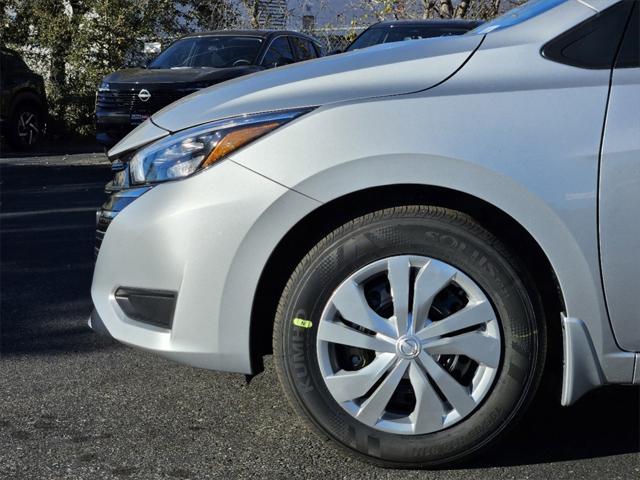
x=77 y=406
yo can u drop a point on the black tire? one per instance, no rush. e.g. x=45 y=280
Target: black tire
x=26 y=126
x=438 y=233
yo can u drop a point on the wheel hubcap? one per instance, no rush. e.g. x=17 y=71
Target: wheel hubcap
x=28 y=129
x=409 y=345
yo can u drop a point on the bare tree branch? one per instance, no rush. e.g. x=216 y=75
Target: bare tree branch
x=496 y=7
x=429 y=5
x=446 y=8
x=462 y=8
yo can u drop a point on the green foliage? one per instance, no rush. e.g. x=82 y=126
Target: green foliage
x=74 y=43
x=211 y=15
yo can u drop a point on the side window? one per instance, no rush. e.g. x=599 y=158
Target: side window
x=278 y=54
x=593 y=43
x=629 y=56
x=304 y=48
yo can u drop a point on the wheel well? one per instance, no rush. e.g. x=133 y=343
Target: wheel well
x=319 y=223
x=25 y=96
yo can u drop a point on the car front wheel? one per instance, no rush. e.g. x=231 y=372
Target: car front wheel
x=26 y=126
x=410 y=336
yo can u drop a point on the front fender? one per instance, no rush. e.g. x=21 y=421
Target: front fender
x=589 y=351
x=549 y=189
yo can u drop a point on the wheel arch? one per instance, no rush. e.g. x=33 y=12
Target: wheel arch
x=26 y=95
x=321 y=221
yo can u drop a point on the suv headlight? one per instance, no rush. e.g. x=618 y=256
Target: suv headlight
x=187 y=151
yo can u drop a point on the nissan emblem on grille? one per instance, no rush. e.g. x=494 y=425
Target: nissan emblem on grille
x=144 y=95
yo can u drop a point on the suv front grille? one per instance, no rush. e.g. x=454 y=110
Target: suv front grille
x=127 y=101
x=115 y=100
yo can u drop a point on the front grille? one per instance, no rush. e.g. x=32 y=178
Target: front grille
x=115 y=100
x=157 y=101
x=118 y=199
x=104 y=218
x=127 y=101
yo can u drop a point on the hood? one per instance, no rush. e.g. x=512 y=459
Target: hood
x=388 y=69
x=150 y=76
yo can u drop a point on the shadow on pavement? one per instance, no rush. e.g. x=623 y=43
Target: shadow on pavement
x=46 y=251
x=50 y=146
x=604 y=422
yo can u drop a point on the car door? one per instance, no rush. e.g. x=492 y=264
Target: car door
x=620 y=192
x=304 y=49
x=278 y=53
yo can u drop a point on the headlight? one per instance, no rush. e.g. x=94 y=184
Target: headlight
x=104 y=87
x=182 y=153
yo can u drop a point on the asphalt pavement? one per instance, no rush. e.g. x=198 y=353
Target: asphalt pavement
x=74 y=405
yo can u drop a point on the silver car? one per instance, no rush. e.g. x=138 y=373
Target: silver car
x=422 y=233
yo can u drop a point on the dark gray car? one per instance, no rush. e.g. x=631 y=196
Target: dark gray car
x=128 y=97
x=23 y=101
x=402 y=30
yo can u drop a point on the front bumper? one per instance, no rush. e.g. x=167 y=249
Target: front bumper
x=97 y=325
x=207 y=238
x=113 y=126
x=117 y=201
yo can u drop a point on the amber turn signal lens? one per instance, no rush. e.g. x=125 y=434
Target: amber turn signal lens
x=236 y=139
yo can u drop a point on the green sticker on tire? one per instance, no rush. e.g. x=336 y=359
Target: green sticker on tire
x=300 y=322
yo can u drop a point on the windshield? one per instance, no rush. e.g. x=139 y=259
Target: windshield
x=375 y=36
x=517 y=15
x=215 y=52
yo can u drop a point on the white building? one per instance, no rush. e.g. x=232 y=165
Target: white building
x=304 y=14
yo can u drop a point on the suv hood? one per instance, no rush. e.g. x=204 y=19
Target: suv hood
x=388 y=69
x=150 y=76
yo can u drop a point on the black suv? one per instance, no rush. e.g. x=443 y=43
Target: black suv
x=400 y=30
x=127 y=97
x=23 y=101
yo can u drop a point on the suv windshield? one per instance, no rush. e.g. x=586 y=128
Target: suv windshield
x=213 y=51
x=375 y=36
x=517 y=15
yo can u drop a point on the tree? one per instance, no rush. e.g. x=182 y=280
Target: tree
x=212 y=14
x=76 y=42
x=252 y=8
x=407 y=9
